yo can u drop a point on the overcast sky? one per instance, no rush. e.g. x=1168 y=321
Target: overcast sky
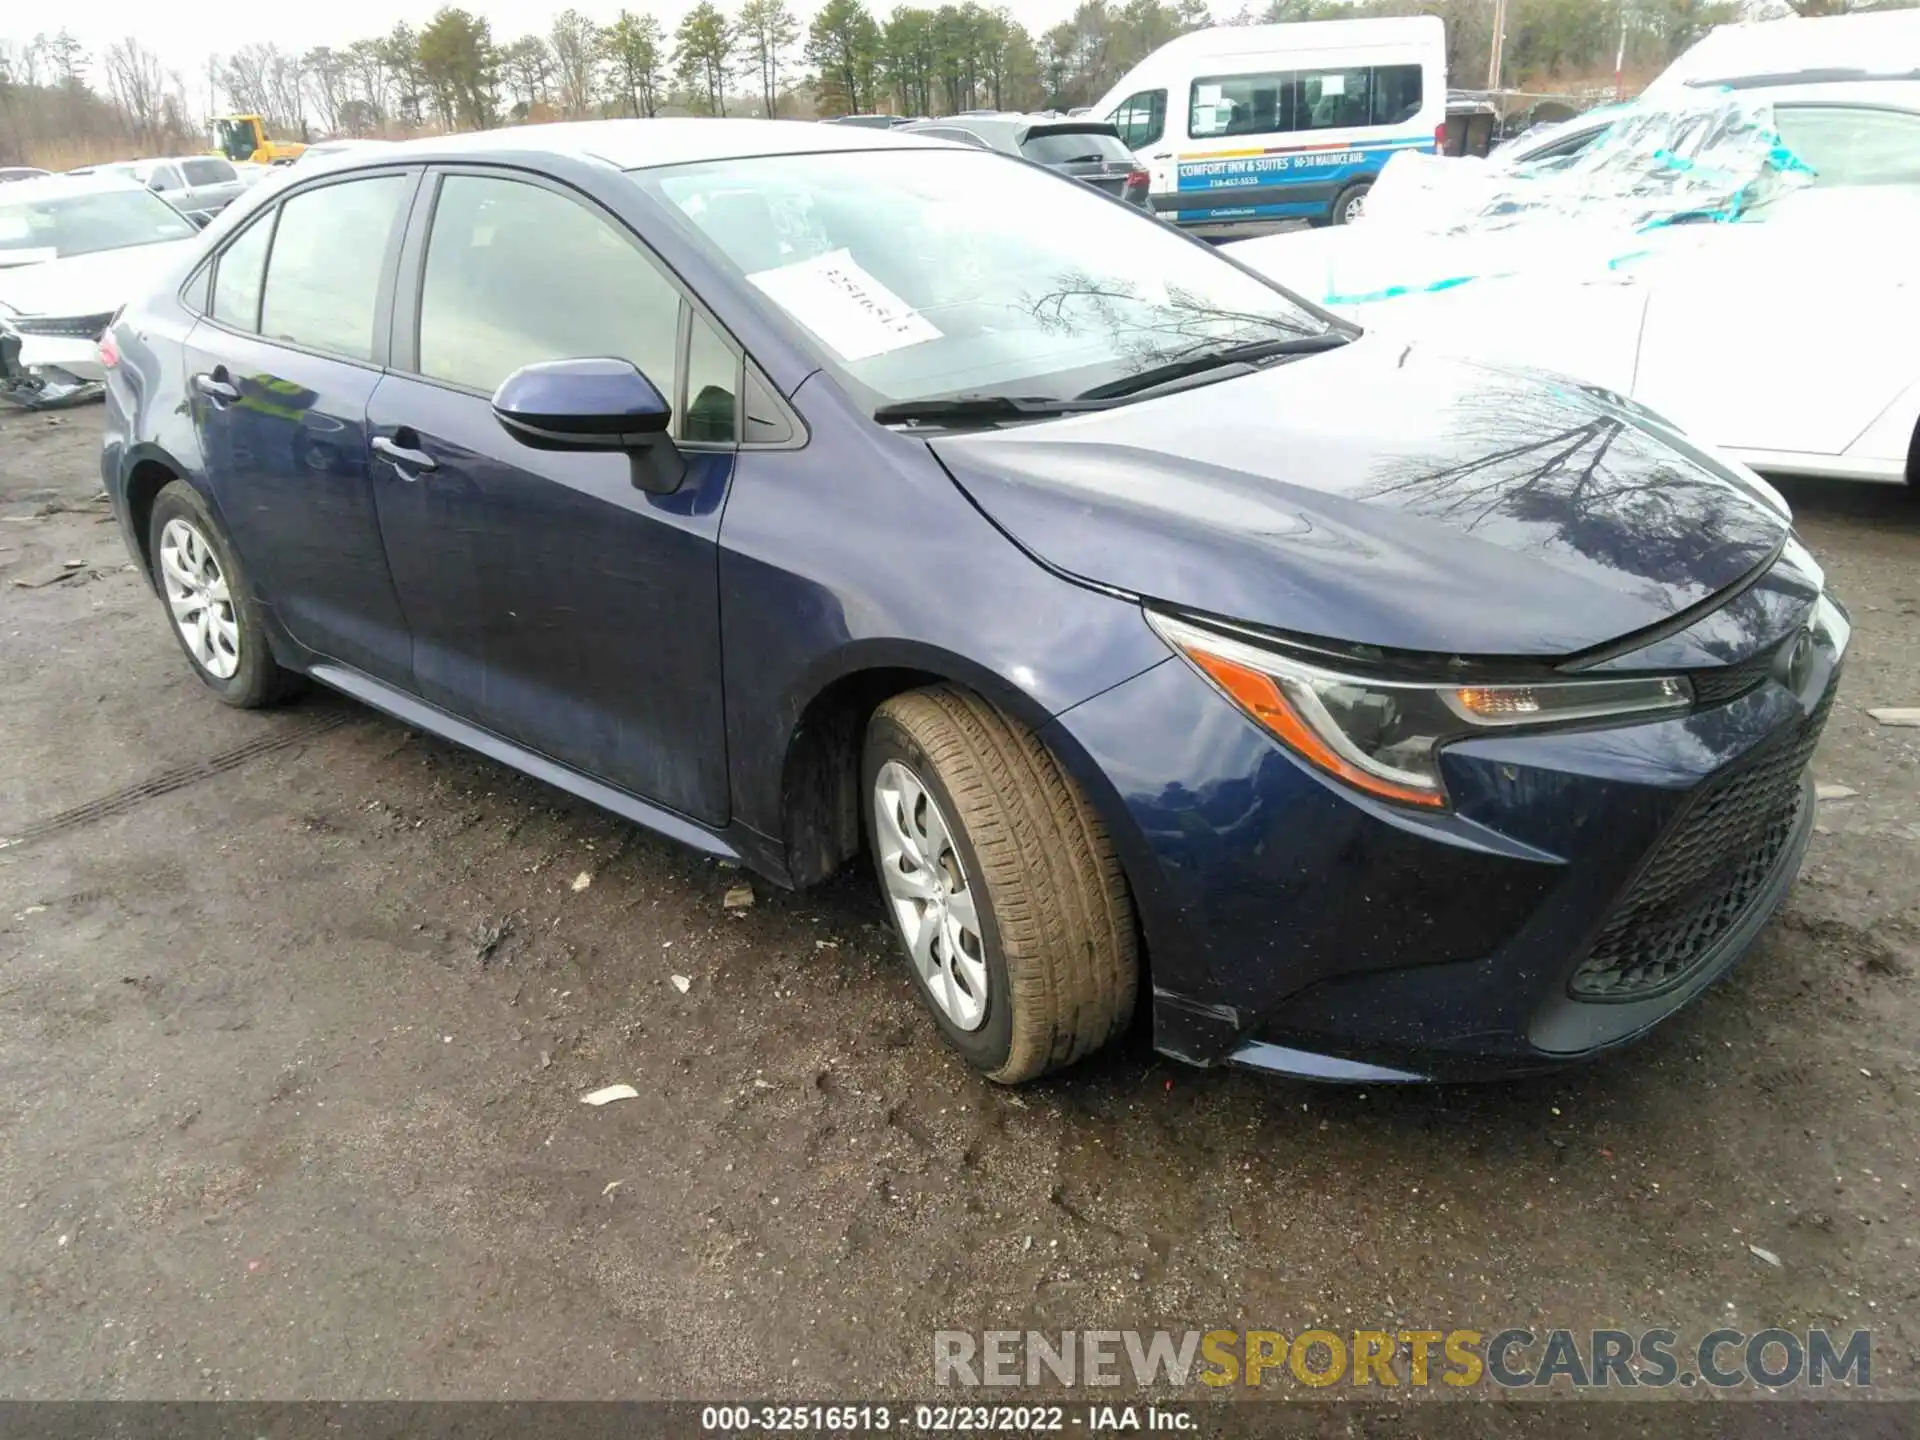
x=185 y=32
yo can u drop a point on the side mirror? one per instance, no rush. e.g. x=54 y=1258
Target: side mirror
x=199 y=219
x=596 y=404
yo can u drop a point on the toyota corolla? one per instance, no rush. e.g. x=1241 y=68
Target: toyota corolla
x=801 y=491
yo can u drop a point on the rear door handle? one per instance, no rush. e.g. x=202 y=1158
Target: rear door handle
x=215 y=387
x=404 y=459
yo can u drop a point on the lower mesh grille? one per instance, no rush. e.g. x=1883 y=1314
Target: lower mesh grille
x=1713 y=864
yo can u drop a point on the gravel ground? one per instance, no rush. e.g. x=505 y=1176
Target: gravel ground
x=296 y=1008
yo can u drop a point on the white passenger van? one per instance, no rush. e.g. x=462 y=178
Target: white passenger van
x=1273 y=122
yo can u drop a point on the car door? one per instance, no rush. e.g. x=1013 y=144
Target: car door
x=280 y=367
x=1141 y=120
x=1752 y=342
x=212 y=183
x=552 y=601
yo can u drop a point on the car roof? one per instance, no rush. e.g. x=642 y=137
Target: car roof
x=1015 y=120
x=59 y=187
x=1011 y=128
x=1828 y=87
x=644 y=144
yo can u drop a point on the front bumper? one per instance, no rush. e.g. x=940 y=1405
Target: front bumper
x=1585 y=885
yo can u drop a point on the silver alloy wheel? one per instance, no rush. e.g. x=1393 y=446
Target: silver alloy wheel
x=932 y=900
x=197 y=594
x=1356 y=207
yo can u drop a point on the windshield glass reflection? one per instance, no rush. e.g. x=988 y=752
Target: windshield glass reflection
x=925 y=273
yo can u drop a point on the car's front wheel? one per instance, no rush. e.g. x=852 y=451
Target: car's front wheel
x=215 y=617
x=1351 y=205
x=1001 y=883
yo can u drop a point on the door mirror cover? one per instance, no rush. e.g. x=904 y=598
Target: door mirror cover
x=589 y=404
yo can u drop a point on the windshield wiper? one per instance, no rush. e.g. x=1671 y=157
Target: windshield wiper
x=964 y=408
x=1233 y=356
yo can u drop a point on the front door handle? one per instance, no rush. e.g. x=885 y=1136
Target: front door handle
x=408 y=463
x=1161 y=155
x=215 y=387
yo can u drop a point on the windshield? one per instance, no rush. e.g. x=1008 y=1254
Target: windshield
x=233 y=138
x=929 y=273
x=81 y=224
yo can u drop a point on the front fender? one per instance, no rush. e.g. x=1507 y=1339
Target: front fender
x=859 y=553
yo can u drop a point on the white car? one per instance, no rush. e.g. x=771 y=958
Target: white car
x=73 y=250
x=1769 y=311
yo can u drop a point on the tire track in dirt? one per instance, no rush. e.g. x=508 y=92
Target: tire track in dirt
x=167 y=781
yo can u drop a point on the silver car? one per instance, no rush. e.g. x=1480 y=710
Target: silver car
x=198 y=186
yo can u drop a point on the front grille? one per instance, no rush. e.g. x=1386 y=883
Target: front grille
x=1713 y=687
x=63 y=327
x=1716 y=859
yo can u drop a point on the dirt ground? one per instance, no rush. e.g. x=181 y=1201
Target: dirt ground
x=296 y=1008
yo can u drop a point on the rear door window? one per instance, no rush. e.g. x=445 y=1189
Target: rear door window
x=1062 y=147
x=1333 y=99
x=517 y=273
x=329 y=252
x=1286 y=101
x=1398 y=93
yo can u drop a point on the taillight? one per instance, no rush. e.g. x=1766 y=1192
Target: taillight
x=109 y=352
x=1440 y=138
x=1138 y=180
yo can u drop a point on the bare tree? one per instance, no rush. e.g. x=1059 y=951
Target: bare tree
x=244 y=78
x=370 y=76
x=138 y=85
x=289 y=109
x=527 y=67
x=326 y=84
x=576 y=50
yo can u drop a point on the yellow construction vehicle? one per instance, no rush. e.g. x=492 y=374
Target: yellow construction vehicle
x=244 y=137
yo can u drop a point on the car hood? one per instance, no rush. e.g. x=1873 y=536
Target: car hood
x=1382 y=494
x=90 y=284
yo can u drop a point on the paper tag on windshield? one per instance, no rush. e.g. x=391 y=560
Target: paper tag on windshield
x=833 y=296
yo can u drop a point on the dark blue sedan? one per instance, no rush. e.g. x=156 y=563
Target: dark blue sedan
x=797 y=490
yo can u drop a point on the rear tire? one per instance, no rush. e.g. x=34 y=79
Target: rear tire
x=210 y=605
x=1351 y=204
x=998 y=834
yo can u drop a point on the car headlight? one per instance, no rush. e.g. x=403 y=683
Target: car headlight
x=1384 y=736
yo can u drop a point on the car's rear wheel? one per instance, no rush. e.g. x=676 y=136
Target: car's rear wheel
x=1001 y=883
x=215 y=617
x=1351 y=205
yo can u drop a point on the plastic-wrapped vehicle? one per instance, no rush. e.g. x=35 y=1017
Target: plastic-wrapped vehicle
x=1686 y=258
x=73 y=250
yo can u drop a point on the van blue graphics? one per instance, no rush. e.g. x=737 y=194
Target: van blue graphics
x=1279 y=182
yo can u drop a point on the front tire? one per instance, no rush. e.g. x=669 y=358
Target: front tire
x=1002 y=885
x=211 y=608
